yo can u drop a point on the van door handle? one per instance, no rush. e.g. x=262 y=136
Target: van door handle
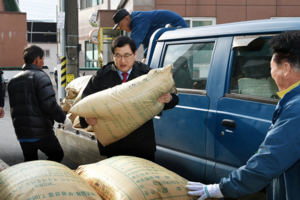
x=228 y=123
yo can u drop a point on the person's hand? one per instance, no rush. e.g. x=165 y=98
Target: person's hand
x=166 y=98
x=144 y=60
x=1 y=112
x=67 y=123
x=91 y=121
x=204 y=191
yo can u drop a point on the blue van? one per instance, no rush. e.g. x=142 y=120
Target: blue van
x=226 y=98
x=226 y=95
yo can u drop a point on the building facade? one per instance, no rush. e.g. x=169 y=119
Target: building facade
x=13 y=38
x=195 y=12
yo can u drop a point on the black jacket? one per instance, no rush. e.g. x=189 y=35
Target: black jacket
x=33 y=103
x=2 y=94
x=142 y=139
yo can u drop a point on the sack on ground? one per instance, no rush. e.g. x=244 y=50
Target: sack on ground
x=128 y=177
x=44 y=180
x=122 y=109
x=74 y=87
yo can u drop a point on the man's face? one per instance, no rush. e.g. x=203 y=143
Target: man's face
x=124 y=24
x=124 y=58
x=277 y=74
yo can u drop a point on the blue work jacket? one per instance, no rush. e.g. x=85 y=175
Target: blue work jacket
x=144 y=23
x=276 y=165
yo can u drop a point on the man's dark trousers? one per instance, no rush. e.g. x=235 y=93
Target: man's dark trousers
x=48 y=145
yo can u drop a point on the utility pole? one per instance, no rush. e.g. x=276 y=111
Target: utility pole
x=69 y=45
x=71 y=31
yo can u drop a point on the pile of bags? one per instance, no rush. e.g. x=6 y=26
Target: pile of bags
x=117 y=178
x=128 y=177
x=74 y=92
x=44 y=180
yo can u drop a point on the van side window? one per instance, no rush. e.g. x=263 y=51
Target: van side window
x=251 y=72
x=191 y=63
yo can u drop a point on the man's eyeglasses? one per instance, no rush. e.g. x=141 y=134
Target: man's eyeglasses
x=119 y=57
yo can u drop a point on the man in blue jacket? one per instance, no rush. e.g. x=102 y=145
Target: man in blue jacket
x=276 y=166
x=142 y=24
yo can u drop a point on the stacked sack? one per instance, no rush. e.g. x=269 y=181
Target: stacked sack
x=44 y=180
x=74 y=92
x=132 y=178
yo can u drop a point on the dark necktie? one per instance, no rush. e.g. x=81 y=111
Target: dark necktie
x=124 y=77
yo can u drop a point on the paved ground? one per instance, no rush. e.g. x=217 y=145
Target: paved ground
x=10 y=150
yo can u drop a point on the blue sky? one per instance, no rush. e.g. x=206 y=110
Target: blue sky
x=44 y=10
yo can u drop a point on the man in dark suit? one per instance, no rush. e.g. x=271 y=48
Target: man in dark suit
x=141 y=142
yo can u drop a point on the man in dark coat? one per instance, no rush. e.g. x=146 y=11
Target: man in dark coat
x=34 y=108
x=2 y=94
x=141 y=142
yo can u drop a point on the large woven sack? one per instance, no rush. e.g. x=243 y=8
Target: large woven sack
x=122 y=109
x=44 y=180
x=74 y=88
x=128 y=177
x=72 y=117
x=76 y=123
x=65 y=105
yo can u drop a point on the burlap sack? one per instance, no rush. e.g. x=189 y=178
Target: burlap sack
x=122 y=109
x=72 y=117
x=44 y=180
x=89 y=128
x=76 y=123
x=127 y=177
x=65 y=105
x=74 y=87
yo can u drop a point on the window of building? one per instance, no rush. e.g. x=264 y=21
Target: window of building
x=91 y=55
x=89 y=3
x=191 y=63
x=251 y=70
x=200 y=21
x=47 y=53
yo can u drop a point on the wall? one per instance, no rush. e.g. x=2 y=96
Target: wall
x=13 y=38
x=84 y=27
x=1 y=5
x=232 y=10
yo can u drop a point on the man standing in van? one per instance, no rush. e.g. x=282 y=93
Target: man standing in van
x=277 y=163
x=142 y=24
x=141 y=142
x=33 y=108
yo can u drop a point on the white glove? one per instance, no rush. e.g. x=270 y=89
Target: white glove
x=204 y=191
x=67 y=124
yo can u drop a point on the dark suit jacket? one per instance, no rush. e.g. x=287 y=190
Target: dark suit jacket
x=142 y=140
